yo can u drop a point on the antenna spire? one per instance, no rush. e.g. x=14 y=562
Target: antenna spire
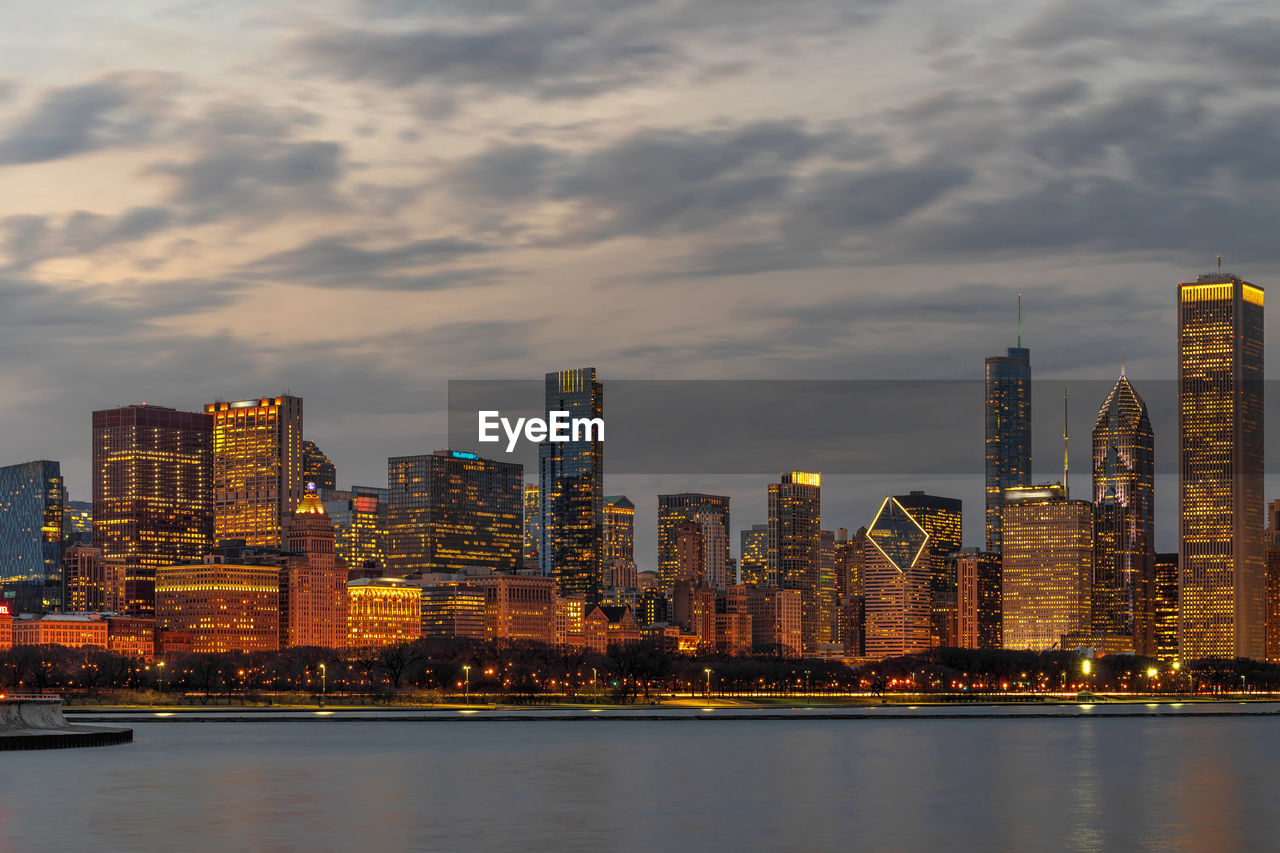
x=1122 y=364
x=1066 y=489
x=1219 y=264
x=1019 y=319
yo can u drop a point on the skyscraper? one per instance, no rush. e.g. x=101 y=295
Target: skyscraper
x=795 y=559
x=1220 y=468
x=896 y=577
x=1008 y=428
x=532 y=524
x=452 y=511
x=360 y=519
x=978 y=599
x=753 y=558
x=313 y=582
x=619 y=529
x=707 y=510
x=1124 y=500
x=1166 y=607
x=1047 y=567
x=257 y=468
x=942 y=518
x=316 y=468
x=152 y=493
x=571 y=485
x=31 y=504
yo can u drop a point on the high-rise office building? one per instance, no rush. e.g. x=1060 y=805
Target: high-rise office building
x=31 y=505
x=77 y=523
x=1166 y=607
x=896 y=577
x=707 y=510
x=619 y=529
x=1222 y=579
x=313 y=582
x=1008 y=429
x=257 y=468
x=850 y=556
x=571 y=487
x=942 y=519
x=360 y=519
x=452 y=511
x=532 y=524
x=978 y=609
x=753 y=557
x=1046 y=567
x=317 y=469
x=152 y=493
x=1124 y=500
x=225 y=604
x=795 y=534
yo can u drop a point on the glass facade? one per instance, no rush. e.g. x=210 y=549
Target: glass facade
x=257 y=468
x=532 y=523
x=1008 y=432
x=571 y=486
x=31 y=506
x=152 y=493
x=942 y=519
x=360 y=519
x=1220 y=468
x=454 y=512
x=795 y=547
x=1166 y=606
x=317 y=469
x=1124 y=498
x=707 y=510
x=1046 y=566
x=896 y=577
x=753 y=559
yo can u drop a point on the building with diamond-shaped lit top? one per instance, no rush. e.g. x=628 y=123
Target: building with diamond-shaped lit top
x=896 y=579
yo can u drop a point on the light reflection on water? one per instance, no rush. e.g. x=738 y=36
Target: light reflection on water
x=1017 y=784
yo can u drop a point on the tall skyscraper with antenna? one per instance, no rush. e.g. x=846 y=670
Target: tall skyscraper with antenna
x=1221 y=577
x=1008 y=429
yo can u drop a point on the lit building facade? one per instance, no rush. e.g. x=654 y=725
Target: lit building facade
x=532 y=524
x=1166 y=607
x=152 y=493
x=317 y=469
x=453 y=609
x=896 y=576
x=1124 y=476
x=942 y=518
x=224 y=606
x=978 y=611
x=360 y=524
x=31 y=505
x=708 y=511
x=313 y=582
x=850 y=555
x=88 y=581
x=775 y=621
x=452 y=511
x=6 y=627
x=619 y=529
x=73 y=630
x=1008 y=431
x=795 y=559
x=571 y=487
x=383 y=612
x=257 y=468
x=753 y=556
x=1220 y=468
x=1046 y=567
x=519 y=608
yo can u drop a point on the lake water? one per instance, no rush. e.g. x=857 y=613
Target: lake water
x=993 y=784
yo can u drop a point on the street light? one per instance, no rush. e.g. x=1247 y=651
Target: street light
x=323 y=683
x=160 y=675
x=466 y=670
x=708 y=672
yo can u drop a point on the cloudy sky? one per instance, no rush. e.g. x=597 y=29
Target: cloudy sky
x=358 y=201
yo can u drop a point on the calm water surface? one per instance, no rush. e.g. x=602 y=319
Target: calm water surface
x=990 y=784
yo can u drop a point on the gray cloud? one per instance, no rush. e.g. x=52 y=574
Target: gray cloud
x=30 y=239
x=116 y=111
x=335 y=262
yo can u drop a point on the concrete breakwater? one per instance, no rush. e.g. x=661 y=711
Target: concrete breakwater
x=36 y=722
